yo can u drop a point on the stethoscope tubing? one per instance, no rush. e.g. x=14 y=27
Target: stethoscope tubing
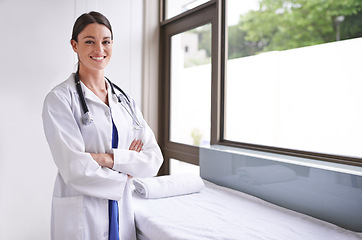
x=87 y=119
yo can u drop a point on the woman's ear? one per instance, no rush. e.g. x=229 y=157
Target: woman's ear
x=74 y=45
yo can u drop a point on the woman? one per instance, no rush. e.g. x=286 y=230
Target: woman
x=98 y=151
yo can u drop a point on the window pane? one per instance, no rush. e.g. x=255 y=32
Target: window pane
x=294 y=81
x=190 y=91
x=180 y=167
x=176 y=7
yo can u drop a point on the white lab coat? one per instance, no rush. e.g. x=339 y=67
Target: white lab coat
x=82 y=188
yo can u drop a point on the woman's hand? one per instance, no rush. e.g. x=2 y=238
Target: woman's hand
x=106 y=159
x=103 y=159
x=136 y=145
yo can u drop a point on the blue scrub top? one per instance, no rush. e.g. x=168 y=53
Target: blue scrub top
x=113 y=205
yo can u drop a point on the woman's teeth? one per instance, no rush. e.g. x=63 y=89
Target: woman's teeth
x=98 y=58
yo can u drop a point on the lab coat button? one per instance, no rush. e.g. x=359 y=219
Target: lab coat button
x=108 y=113
x=105 y=234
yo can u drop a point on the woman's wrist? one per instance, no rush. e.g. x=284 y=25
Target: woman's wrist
x=103 y=159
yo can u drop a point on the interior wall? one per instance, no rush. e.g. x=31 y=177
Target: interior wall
x=35 y=56
x=151 y=39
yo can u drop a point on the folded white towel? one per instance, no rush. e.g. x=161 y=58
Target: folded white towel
x=168 y=186
x=265 y=174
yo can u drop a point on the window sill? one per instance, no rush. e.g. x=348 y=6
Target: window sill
x=337 y=167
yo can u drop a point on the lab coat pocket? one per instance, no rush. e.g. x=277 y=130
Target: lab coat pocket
x=67 y=219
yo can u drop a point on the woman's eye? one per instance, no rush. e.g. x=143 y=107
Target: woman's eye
x=106 y=42
x=89 y=42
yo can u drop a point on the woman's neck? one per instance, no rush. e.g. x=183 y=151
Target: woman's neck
x=94 y=81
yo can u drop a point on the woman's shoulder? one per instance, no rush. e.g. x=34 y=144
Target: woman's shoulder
x=68 y=84
x=63 y=90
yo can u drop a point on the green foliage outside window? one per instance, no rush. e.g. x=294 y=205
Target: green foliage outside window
x=281 y=25
x=286 y=24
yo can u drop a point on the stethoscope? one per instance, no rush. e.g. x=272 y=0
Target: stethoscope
x=87 y=118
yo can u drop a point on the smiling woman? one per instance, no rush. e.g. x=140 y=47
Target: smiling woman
x=95 y=158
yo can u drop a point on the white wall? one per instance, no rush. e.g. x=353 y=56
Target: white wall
x=35 y=56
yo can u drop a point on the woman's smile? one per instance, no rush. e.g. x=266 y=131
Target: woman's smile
x=98 y=59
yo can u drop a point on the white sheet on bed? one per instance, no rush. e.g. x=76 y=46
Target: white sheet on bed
x=221 y=213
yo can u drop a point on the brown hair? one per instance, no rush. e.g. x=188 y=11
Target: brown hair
x=89 y=18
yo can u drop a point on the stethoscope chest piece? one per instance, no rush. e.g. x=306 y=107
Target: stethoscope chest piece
x=87 y=119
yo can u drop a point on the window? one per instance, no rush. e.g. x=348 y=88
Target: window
x=281 y=76
x=173 y=8
x=181 y=167
x=190 y=86
x=189 y=68
x=292 y=78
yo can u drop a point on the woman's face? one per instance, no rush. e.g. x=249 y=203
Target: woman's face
x=94 y=47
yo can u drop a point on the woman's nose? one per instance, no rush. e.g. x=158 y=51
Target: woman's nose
x=98 y=47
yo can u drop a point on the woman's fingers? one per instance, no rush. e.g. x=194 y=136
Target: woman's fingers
x=136 y=145
x=133 y=144
x=139 y=146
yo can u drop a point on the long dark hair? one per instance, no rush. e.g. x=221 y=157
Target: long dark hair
x=89 y=18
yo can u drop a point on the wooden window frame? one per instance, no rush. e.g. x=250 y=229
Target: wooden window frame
x=211 y=12
x=199 y=16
